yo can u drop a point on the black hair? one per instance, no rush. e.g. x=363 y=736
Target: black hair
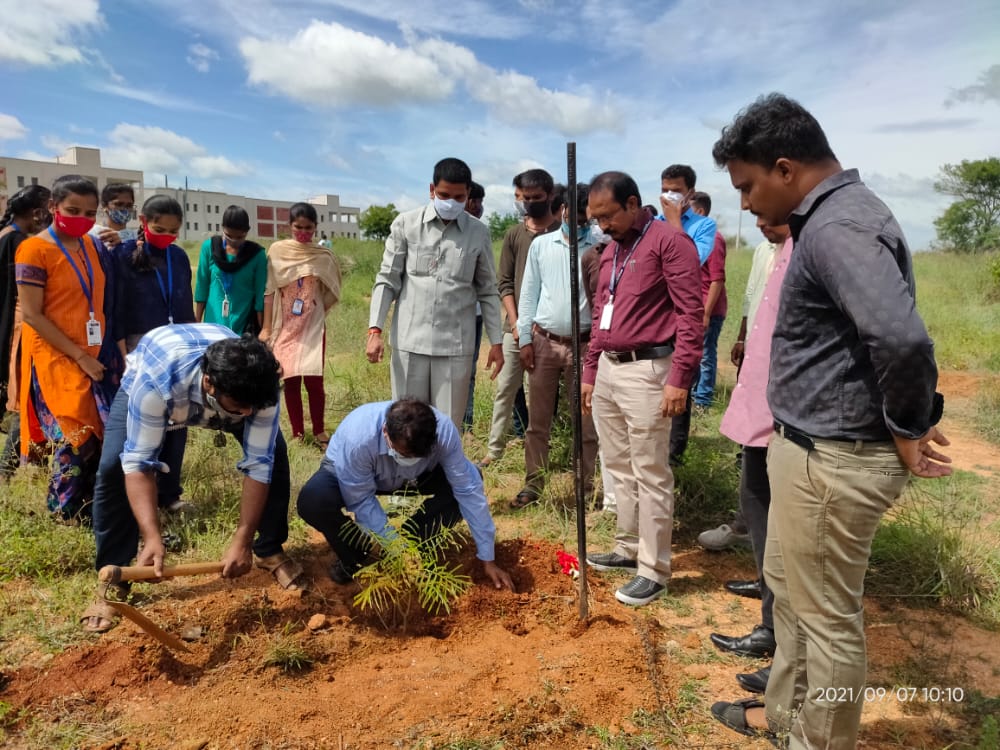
x=303 y=211
x=24 y=201
x=652 y=209
x=582 y=194
x=245 y=370
x=236 y=217
x=683 y=171
x=772 y=128
x=453 y=170
x=412 y=426
x=558 y=192
x=72 y=184
x=534 y=178
x=113 y=189
x=702 y=201
x=153 y=208
x=621 y=185
x=476 y=191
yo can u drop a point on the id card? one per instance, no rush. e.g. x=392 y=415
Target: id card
x=225 y=307
x=606 y=314
x=127 y=235
x=297 y=306
x=93 y=332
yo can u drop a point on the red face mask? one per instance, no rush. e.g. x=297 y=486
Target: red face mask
x=74 y=226
x=159 y=241
x=304 y=237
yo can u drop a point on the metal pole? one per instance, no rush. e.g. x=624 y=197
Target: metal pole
x=574 y=295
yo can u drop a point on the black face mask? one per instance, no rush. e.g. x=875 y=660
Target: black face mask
x=536 y=209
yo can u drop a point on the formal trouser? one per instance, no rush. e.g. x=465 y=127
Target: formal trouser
x=443 y=382
x=827 y=505
x=755 y=499
x=115 y=528
x=553 y=360
x=509 y=382
x=634 y=441
x=321 y=505
x=704 y=390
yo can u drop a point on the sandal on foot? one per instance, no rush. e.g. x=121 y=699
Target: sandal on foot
x=100 y=617
x=287 y=572
x=322 y=439
x=734 y=716
x=523 y=500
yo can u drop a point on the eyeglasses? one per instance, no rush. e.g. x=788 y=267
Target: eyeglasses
x=606 y=218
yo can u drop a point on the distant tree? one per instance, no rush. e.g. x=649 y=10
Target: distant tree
x=499 y=224
x=375 y=221
x=972 y=223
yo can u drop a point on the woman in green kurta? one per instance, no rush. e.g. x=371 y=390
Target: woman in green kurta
x=231 y=277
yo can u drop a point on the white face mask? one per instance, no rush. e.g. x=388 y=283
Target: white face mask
x=448 y=209
x=404 y=460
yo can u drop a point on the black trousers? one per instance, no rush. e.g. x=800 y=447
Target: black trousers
x=755 y=500
x=321 y=505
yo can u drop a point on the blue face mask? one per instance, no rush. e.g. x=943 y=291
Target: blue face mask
x=581 y=232
x=119 y=215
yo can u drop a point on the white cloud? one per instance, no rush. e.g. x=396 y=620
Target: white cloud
x=469 y=18
x=41 y=32
x=11 y=128
x=159 y=151
x=200 y=57
x=344 y=67
x=157 y=99
x=36 y=156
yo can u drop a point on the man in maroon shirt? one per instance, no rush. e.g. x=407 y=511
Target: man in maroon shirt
x=645 y=350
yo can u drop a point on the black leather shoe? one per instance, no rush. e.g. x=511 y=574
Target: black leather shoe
x=749 y=589
x=759 y=644
x=340 y=574
x=755 y=682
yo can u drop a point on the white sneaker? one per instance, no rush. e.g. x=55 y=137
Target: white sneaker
x=722 y=538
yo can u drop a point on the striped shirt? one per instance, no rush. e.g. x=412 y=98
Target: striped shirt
x=163 y=381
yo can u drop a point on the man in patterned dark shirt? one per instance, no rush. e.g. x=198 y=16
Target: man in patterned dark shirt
x=852 y=390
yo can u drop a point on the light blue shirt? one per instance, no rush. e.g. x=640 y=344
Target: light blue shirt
x=163 y=381
x=699 y=228
x=545 y=288
x=358 y=456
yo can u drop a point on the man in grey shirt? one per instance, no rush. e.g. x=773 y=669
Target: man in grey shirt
x=438 y=263
x=852 y=390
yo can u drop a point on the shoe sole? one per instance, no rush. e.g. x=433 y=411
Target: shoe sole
x=633 y=601
x=744 y=653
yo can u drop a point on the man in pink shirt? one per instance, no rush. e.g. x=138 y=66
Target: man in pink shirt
x=644 y=352
x=749 y=423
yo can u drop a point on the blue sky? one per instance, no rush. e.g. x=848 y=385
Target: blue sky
x=360 y=97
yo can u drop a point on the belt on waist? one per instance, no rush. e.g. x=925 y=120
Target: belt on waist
x=565 y=340
x=792 y=435
x=650 y=352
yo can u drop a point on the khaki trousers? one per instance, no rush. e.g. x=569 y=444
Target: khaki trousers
x=511 y=378
x=443 y=382
x=635 y=440
x=825 y=506
x=553 y=361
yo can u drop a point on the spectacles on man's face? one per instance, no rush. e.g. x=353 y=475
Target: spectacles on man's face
x=605 y=218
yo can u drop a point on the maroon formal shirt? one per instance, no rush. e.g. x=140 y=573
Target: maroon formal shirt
x=657 y=300
x=715 y=270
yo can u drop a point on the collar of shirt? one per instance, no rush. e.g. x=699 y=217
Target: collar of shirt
x=641 y=218
x=430 y=215
x=817 y=195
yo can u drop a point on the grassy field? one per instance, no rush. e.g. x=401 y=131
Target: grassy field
x=939 y=545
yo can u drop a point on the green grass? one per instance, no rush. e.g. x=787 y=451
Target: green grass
x=987 y=415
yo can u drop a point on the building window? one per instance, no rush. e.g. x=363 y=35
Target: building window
x=20 y=181
x=187 y=206
x=187 y=224
x=216 y=210
x=283 y=215
x=265 y=213
x=265 y=229
x=196 y=226
x=34 y=180
x=196 y=209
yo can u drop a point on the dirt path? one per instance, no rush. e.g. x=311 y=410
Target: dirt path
x=968 y=451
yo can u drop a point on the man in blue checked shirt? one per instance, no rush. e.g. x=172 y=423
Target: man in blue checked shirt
x=197 y=375
x=378 y=449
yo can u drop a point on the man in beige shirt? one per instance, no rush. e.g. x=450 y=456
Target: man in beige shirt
x=438 y=263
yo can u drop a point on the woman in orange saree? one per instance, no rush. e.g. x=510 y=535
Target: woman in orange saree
x=62 y=289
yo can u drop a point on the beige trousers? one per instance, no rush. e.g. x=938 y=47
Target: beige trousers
x=443 y=382
x=825 y=506
x=511 y=378
x=635 y=441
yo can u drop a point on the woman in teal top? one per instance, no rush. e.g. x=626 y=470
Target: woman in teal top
x=232 y=274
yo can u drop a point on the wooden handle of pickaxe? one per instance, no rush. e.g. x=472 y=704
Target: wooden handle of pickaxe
x=117 y=574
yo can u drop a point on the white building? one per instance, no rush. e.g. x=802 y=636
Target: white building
x=203 y=209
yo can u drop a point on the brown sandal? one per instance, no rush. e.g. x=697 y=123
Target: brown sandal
x=286 y=571
x=99 y=609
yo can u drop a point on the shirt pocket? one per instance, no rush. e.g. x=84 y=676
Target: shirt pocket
x=421 y=260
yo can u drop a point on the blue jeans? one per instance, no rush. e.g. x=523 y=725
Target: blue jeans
x=115 y=528
x=704 y=389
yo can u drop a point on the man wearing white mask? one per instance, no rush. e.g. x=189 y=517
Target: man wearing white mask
x=380 y=448
x=438 y=263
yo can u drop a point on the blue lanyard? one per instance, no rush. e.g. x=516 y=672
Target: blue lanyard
x=14 y=225
x=616 y=273
x=87 y=290
x=168 y=292
x=226 y=279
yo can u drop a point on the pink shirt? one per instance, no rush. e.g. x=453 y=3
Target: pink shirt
x=748 y=419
